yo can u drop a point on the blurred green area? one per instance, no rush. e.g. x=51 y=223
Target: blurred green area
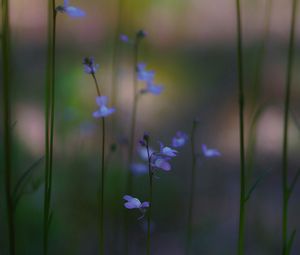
x=191 y=46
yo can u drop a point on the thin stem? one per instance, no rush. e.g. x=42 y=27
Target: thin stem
x=115 y=55
x=131 y=141
x=150 y=201
x=261 y=53
x=285 y=185
x=241 y=127
x=49 y=120
x=7 y=125
x=102 y=176
x=192 y=191
x=133 y=116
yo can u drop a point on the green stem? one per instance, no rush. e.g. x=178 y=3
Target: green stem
x=261 y=54
x=102 y=181
x=133 y=116
x=150 y=201
x=7 y=125
x=49 y=120
x=131 y=141
x=241 y=127
x=192 y=191
x=115 y=55
x=285 y=185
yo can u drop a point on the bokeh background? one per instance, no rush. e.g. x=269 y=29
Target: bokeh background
x=191 y=44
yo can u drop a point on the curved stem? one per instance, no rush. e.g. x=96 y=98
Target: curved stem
x=241 y=128
x=192 y=191
x=49 y=119
x=102 y=178
x=7 y=125
x=150 y=201
x=285 y=185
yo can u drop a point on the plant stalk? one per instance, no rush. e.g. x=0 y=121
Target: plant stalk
x=285 y=185
x=192 y=191
x=49 y=120
x=150 y=202
x=240 y=248
x=7 y=125
x=102 y=181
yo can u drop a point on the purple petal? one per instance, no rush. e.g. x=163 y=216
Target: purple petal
x=102 y=100
x=124 y=38
x=127 y=198
x=145 y=204
x=74 y=12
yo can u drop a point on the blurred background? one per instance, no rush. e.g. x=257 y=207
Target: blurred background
x=191 y=45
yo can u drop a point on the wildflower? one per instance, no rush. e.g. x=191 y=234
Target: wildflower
x=152 y=88
x=209 y=153
x=144 y=75
x=89 y=65
x=124 y=38
x=179 y=139
x=70 y=10
x=160 y=162
x=139 y=168
x=134 y=203
x=167 y=151
x=103 y=109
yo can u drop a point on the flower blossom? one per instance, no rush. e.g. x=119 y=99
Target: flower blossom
x=139 y=168
x=152 y=88
x=209 y=153
x=160 y=162
x=143 y=74
x=70 y=10
x=89 y=65
x=179 y=139
x=103 y=110
x=167 y=151
x=135 y=203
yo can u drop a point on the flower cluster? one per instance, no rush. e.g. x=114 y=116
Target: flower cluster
x=71 y=11
x=159 y=159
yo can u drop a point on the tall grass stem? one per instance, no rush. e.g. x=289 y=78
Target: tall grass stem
x=240 y=248
x=192 y=191
x=285 y=185
x=7 y=125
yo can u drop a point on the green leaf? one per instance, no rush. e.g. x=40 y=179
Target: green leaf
x=23 y=180
x=294 y=182
x=254 y=186
x=290 y=243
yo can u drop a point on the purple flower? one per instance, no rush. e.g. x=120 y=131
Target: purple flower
x=144 y=75
x=134 y=203
x=139 y=168
x=179 y=139
x=160 y=162
x=89 y=65
x=124 y=38
x=152 y=88
x=103 y=109
x=209 y=153
x=167 y=151
x=70 y=10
